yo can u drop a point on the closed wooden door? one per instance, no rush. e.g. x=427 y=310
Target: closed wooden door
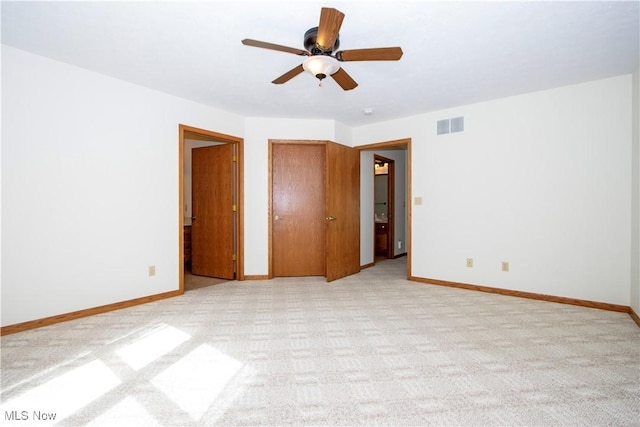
x=298 y=205
x=342 y=211
x=212 y=231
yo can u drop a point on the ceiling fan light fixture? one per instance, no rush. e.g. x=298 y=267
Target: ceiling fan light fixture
x=321 y=66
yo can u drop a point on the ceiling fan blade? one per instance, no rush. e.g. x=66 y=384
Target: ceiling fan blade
x=288 y=75
x=265 y=45
x=344 y=80
x=330 y=23
x=373 y=54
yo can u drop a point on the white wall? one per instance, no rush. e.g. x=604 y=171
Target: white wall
x=635 y=186
x=89 y=186
x=343 y=134
x=541 y=180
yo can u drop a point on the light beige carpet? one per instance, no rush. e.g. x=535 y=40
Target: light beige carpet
x=192 y=281
x=370 y=349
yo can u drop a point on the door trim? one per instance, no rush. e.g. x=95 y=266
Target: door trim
x=405 y=142
x=204 y=134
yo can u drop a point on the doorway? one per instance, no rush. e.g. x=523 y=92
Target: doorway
x=384 y=206
x=314 y=209
x=400 y=152
x=227 y=257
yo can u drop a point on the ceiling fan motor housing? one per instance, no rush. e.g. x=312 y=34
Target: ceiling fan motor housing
x=311 y=44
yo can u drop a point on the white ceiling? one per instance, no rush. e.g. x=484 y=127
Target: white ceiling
x=455 y=53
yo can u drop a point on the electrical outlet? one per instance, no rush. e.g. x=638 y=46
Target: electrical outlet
x=505 y=266
x=152 y=270
x=470 y=262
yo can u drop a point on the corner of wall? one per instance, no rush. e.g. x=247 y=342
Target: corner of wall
x=343 y=134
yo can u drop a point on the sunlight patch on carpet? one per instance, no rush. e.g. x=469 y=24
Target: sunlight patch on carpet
x=128 y=412
x=152 y=346
x=198 y=379
x=66 y=393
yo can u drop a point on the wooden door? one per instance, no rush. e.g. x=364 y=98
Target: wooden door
x=298 y=198
x=212 y=236
x=342 y=211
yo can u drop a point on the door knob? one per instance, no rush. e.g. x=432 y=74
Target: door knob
x=277 y=217
x=331 y=218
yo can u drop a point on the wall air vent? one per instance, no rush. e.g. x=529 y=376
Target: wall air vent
x=457 y=124
x=445 y=126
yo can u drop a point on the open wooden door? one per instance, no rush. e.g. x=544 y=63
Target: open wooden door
x=342 y=210
x=212 y=236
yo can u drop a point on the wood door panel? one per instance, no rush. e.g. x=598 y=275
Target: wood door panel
x=343 y=204
x=298 y=195
x=212 y=240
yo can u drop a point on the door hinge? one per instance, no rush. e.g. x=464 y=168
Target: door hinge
x=234 y=257
x=234 y=208
x=234 y=158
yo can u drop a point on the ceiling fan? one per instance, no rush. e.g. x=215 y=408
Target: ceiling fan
x=320 y=44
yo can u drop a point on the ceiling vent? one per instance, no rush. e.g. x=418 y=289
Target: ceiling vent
x=453 y=125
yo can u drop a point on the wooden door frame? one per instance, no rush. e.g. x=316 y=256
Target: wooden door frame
x=405 y=142
x=239 y=224
x=272 y=142
x=391 y=206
